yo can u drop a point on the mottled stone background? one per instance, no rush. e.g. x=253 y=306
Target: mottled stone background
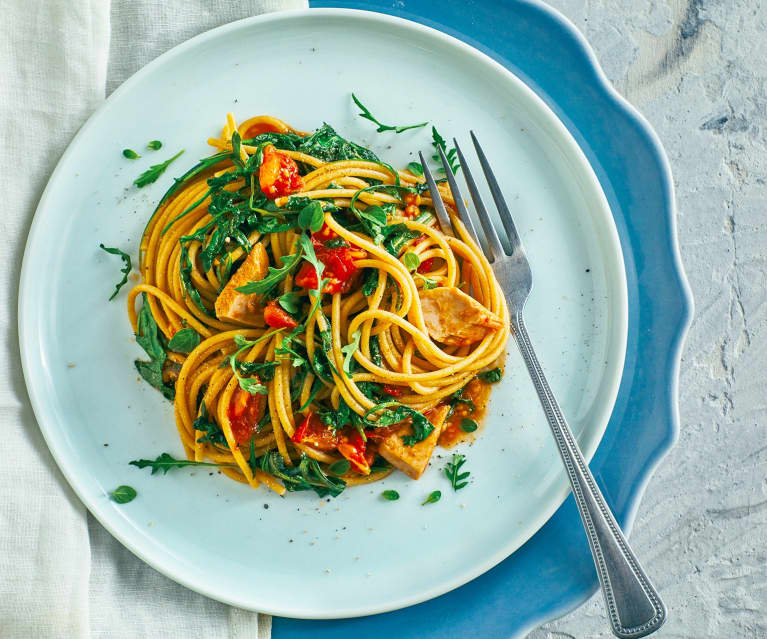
x=697 y=69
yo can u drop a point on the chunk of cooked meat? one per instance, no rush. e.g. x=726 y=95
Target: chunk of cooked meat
x=239 y=307
x=452 y=317
x=412 y=460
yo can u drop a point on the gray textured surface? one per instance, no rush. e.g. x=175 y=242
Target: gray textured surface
x=697 y=69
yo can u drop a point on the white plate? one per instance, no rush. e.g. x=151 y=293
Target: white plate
x=302 y=556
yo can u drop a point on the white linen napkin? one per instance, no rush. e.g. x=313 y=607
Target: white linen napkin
x=61 y=573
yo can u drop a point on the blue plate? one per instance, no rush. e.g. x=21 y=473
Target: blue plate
x=553 y=572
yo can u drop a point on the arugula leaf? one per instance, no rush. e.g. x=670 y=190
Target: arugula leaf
x=370 y=283
x=154 y=172
x=311 y=217
x=148 y=337
x=131 y=154
x=310 y=256
x=390 y=495
x=336 y=418
x=428 y=284
x=154 y=145
x=491 y=376
x=165 y=462
x=433 y=498
x=212 y=433
x=125 y=270
x=452 y=471
x=439 y=142
x=252 y=386
x=265 y=370
x=396 y=236
x=308 y=475
x=415 y=168
x=291 y=302
x=383 y=127
x=273 y=277
x=184 y=341
x=411 y=261
x=123 y=494
x=327 y=145
x=349 y=351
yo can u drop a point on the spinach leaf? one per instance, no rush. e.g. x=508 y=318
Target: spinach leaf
x=124 y=270
x=327 y=145
x=308 y=475
x=184 y=341
x=370 y=283
x=311 y=217
x=148 y=337
x=396 y=236
x=390 y=495
x=212 y=433
x=491 y=376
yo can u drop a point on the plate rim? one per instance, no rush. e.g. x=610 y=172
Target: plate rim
x=154 y=558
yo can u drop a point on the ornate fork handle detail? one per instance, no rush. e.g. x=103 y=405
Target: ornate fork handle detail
x=633 y=605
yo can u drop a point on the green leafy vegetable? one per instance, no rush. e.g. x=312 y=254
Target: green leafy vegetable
x=454 y=474
x=390 y=495
x=439 y=142
x=125 y=270
x=291 y=302
x=212 y=433
x=327 y=145
x=311 y=217
x=370 y=282
x=148 y=337
x=428 y=283
x=165 y=462
x=375 y=351
x=273 y=277
x=491 y=376
x=184 y=341
x=383 y=127
x=123 y=494
x=415 y=168
x=154 y=145
x=307 y=475
x=396 y=236
x=468 y=425
x=411 y=261
x=457 y=398
x=349 y=351
x=339 y=467
x=379 y=465
x=433 y=497
x=395 y=413
x=131 y=154
x=154 y=172
x=310 y=256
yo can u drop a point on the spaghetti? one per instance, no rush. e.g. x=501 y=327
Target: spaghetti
x=338 y=327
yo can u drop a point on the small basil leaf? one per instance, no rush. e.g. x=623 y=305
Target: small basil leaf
x=184 y=341
x=123 y=494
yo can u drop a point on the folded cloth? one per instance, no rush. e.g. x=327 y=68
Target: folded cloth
x=62 y=574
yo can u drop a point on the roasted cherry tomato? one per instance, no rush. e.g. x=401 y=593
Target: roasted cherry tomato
x=339 y=266
x=394 y=391
x=277 y=317
x=352 y=446
x=426 y=265
x=278 y=175
x=244 y=412
x=314 y=433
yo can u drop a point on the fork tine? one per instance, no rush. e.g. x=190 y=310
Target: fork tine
x=439 y=205
x=495 y=190
x=463 y=214
x=494 y=244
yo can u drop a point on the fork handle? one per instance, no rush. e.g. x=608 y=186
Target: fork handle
x=633 y=605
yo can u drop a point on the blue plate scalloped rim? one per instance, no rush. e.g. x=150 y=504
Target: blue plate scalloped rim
x=553 y=572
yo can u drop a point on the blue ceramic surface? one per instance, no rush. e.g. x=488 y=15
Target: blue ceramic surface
x=553 y=572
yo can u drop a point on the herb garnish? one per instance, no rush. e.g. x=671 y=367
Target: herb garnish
x=154 y=172
x=411 y=261
x=306 y=476
x=415 y=168
x=154 y=145
x=123 y=494
x=383 y=127
x=390 y=495
x=491 y=376
x=339 y=467
x=349 y=351
x=468 y=425
x=125 y=270
x=165 y=462
x=248 y=384
x=212 y=433
x=452 y=470
x=433 y=497
x=311 y=217
x=273 y=277
x=439 y=142
x=131 y=154
x=394 y=413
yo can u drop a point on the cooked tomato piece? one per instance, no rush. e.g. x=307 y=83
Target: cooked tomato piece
x=277 y=317
x=314 y=433
x=394 y=391
x=352 y=446
x=426 y=265
x=278 y=175
x=339 y=267
x=244 y=412
x=383 y=432
x=411 y=211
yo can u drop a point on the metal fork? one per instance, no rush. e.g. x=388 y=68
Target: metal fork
x=633 y=605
